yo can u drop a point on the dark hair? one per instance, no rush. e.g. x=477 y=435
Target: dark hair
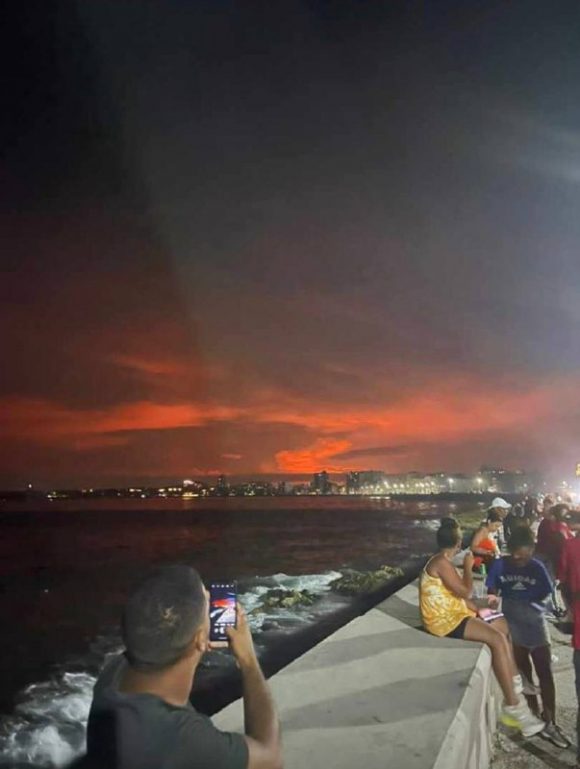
x=522 y=536
x=449 y=520
x=448 y=535
x=493 y=517
x=161 y=617
x=560 y=511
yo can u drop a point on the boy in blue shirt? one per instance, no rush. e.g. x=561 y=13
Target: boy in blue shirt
x=524 y=584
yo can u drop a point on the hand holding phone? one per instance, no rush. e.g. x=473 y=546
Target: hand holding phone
x=223 y=602
x=241 y=642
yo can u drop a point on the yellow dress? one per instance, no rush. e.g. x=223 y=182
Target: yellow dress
x=441 y=610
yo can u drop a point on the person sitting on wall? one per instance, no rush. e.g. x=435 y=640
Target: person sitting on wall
x=524 y=586
x=447 y=610
x=141 y=717
x=483 y=544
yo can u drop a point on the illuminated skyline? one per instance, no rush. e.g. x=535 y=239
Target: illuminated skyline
x=288 y=238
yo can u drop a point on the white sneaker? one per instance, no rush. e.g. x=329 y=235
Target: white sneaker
x=519 y=717
x=523 y=686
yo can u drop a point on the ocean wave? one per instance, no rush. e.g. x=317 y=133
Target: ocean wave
x=49 y=722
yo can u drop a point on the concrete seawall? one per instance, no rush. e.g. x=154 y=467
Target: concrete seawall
x=381 y=692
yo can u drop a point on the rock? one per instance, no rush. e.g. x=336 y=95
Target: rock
x=269 y=626
x=288 y=599
x=360 y=582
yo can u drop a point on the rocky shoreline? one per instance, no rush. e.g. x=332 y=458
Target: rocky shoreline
x=365 y=589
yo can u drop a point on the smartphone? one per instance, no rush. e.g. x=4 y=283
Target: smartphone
x=489 y=615
x=223 y=602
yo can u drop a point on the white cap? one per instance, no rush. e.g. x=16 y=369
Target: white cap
x=499 y=502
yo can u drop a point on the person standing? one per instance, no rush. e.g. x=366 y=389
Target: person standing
x=561 y=532
x=514 y=518
x=569 y=574
x=500 y=507
x=524 y=585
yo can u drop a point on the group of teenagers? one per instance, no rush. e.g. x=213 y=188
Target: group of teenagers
x=519 y=560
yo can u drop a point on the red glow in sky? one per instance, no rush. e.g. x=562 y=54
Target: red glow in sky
x=219 y=261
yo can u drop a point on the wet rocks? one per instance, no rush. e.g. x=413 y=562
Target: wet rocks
x=360 y=582
x=288 y=599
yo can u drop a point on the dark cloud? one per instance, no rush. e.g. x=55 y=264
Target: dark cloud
x=319 y=218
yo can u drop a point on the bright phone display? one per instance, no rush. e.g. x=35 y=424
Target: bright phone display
x=222 y=610
x=489 y=615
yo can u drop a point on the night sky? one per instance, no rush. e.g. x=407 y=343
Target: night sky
x=280 y=237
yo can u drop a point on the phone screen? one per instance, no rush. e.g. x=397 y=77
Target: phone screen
x=489 y=615
x=222 y=609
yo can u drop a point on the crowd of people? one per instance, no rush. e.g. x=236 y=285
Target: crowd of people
x=523 y=559
x=525 y=562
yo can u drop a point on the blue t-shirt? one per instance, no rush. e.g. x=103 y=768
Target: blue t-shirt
x=530 y=583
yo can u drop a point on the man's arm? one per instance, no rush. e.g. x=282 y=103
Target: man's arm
x=261 y=722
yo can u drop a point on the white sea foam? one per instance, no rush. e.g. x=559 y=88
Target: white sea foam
x=253 y=599
x=49 y=723
x=48 y=726
x=427 y=523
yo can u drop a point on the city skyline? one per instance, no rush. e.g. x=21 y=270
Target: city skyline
x=280 y=239
x=485 y=479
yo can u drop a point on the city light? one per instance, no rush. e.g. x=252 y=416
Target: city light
x=361 y=482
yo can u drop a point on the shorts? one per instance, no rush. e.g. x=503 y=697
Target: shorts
x=459 y=631
x=528 y=626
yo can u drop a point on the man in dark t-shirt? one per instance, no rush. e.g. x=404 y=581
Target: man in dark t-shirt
x=141 y=717
x=144 y=731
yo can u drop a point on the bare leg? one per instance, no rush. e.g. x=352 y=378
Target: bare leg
x=542 y=657
x=503 y=627
x=478 y=630
x=523 y=661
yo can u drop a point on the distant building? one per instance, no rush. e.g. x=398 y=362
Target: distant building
x=352 y=482
x=460 y=484
x=320 y=483
x=222 y=485
x=498 y=480
x=366 y=482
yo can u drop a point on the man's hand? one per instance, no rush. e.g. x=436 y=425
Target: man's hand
x=468 y=562
x=241 y=642
x=493 y=601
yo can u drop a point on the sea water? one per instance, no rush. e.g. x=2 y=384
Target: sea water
x=65 y=572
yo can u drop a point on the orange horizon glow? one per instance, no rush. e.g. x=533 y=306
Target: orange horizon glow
x=444 y=413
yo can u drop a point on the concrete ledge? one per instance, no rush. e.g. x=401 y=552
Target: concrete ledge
x=381 y=692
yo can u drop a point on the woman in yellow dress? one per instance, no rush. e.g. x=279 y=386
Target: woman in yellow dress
x=447 y=610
